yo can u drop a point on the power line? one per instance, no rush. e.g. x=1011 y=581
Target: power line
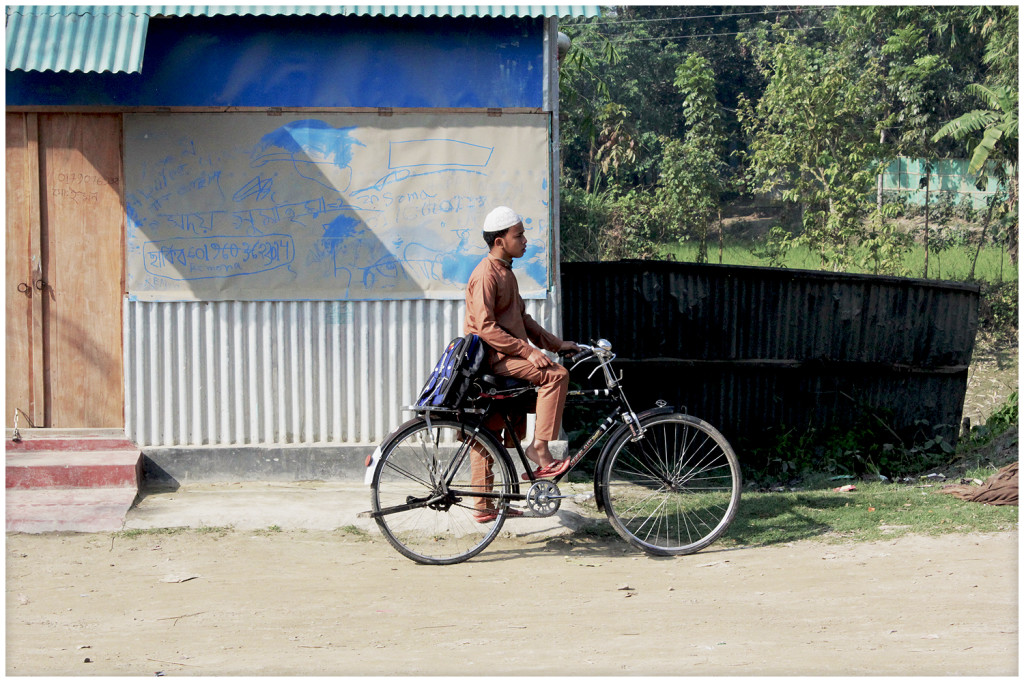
x=706 y=16
x=698 y=35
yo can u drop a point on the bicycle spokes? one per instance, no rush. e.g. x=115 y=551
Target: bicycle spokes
x=675 y=490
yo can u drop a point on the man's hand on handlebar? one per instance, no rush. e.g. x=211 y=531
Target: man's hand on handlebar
x=568 y=348
x=575 y=353
x=539 y=360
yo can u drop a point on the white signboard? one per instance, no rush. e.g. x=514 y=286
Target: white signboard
x=242 y=206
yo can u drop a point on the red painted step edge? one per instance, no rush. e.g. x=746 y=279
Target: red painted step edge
x=69 y=444
x=61 y=470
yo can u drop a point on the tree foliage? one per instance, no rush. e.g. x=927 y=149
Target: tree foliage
x=673 y=110
x=693 y=172
x=993 y=130
x=814 y=138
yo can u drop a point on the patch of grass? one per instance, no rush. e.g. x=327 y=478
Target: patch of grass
x=952 y=263
x=878 y=510
x=599 y=528
x=218 y=531
x=354 y=531
x=874 y=511
x=134 y=533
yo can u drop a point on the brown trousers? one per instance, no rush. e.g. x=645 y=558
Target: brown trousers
x=552 y=386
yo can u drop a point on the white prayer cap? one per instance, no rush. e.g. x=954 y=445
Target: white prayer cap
x=500 y=219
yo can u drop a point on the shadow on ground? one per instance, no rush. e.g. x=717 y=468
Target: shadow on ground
x=785 y=514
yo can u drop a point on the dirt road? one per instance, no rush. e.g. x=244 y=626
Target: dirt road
x=314 y=602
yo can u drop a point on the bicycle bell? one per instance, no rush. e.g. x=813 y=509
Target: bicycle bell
x=603 y=344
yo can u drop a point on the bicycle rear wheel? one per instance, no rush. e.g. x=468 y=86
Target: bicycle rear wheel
x=673 y=491
x=422 y=491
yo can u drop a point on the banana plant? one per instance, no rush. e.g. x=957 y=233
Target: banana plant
x=997 y=125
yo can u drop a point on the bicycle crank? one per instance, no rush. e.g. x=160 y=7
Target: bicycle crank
x=544 y=498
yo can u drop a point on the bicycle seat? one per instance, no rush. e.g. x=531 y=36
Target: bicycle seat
x=502 y=383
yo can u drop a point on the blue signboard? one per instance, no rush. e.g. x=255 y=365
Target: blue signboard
x=314 y=61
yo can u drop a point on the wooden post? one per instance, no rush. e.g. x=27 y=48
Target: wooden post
x=721 y=237
x=927 y=201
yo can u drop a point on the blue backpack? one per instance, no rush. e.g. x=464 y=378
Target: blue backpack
x=459 y=364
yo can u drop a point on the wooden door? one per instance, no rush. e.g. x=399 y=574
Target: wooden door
x=76 y=268
x=24 y=322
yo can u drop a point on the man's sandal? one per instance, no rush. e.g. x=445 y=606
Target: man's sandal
x=488 y=515
x=556 y=468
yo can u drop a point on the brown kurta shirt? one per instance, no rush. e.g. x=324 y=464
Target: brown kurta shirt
x=496 y=312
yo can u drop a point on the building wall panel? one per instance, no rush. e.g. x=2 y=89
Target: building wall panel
x=303 y=61
x=276 y=373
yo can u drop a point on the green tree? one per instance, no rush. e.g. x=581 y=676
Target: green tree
x=926 y=56
x=998 y=27
x=991 y=133
x=692 y=176
x=582 y=92
x=812 y=102
x=814 y=139
x=613 y=147
x=629 y=57
x=912 y=47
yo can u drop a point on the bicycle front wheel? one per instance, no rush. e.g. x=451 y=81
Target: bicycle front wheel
x=673 y=491
x=440 y=491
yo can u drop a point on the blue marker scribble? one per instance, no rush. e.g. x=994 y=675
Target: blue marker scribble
x=400 y=175
x=300 y=137
x=437 y=152
x=343 y=227
x=534 y=264
x=133 y=217
x=316 y=150
x=191 y=258
x=251 y=211
x=457 y=267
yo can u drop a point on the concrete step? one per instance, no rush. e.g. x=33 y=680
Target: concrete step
x=77 y=480
x=64 y=434
x=74 y=469
x=69 y=444
x=81 y=510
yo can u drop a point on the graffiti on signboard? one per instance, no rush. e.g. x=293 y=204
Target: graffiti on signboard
x=313 y=210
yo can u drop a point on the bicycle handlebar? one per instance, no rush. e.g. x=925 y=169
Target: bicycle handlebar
x=582 y=355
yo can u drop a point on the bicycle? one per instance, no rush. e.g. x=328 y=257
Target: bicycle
x=668 y=482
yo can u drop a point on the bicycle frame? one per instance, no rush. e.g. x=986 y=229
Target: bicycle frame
x=612 y=391
x=476 y=429
x=669 y=482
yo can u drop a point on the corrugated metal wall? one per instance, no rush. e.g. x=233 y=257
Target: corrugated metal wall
x=751 y=349
x=267 y=373
x=906 y=176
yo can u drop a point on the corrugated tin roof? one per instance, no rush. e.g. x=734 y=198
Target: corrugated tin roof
x=379 y=10
x=98 y=38
x=75 y=39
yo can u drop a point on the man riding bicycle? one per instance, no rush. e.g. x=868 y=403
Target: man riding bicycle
x=497 y=314
x=668 y=481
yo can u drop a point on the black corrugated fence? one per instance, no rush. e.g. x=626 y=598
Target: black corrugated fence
x=754 y=350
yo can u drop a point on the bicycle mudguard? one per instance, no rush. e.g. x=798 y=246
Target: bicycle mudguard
x=374 y=457
x=613 y=438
